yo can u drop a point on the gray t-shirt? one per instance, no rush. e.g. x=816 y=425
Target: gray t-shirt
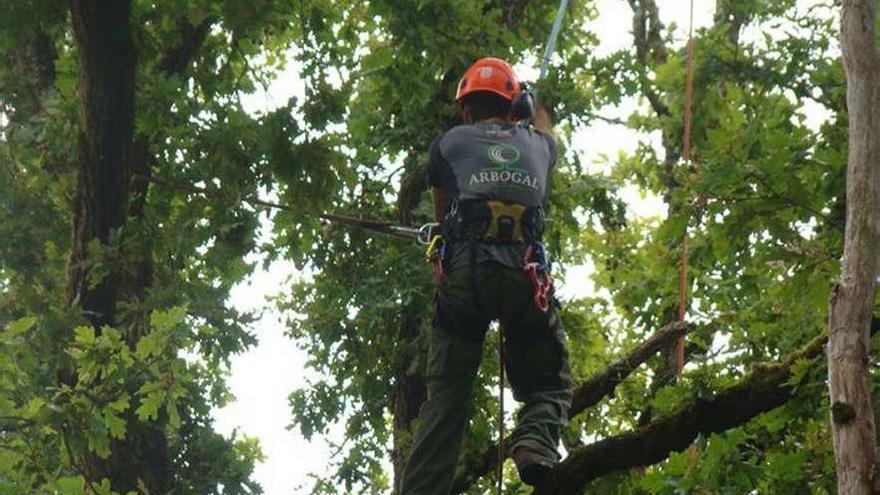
x=492 y=161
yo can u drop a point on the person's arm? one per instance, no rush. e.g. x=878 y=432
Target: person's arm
x=541 y=120
x=439 y=203
x=438 y=178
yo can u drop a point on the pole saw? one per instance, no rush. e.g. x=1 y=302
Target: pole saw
x=423 y=235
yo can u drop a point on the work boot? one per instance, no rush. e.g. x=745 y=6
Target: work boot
x=533 y=467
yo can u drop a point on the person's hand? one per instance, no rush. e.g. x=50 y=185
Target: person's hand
x=541 y=120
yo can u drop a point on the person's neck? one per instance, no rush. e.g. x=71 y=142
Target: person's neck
x=493 y=120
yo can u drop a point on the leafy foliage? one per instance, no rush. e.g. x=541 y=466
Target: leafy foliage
x=762 y=205
x=73 y=393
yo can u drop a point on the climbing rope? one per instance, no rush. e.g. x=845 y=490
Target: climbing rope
x=501 y=449
x=686 y=153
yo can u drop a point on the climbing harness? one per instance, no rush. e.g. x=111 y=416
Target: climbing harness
x=492 y=221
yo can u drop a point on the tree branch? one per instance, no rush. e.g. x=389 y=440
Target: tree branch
x=607 y=120
x=764 y=389
x=601 y=385
x=175 y=61
x=647 y=29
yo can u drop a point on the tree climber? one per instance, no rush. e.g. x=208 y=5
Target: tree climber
x=489 y=180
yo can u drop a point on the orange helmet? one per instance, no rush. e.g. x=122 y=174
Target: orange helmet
x=489 y=74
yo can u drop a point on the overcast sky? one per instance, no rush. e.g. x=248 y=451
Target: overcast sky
x=263 y=378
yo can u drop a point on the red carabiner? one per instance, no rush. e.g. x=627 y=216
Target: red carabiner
x=437 y=262
x=541 y=283
x=540 y=277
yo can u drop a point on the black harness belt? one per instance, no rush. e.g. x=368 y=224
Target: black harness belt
x=493 y=221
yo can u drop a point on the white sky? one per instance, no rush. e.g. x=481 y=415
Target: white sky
x=263 y=377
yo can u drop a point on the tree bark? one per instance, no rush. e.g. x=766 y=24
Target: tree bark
x=106 y=59
x=409 y=393
x=852 y=301
x=106 y=63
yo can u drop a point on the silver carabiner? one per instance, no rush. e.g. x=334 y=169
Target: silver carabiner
x=426 y=233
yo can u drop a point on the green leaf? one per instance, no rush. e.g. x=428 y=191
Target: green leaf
x=85 y=335
x=149 y=408
x=167 y=320
x=71 y=485
x=148 y=345
x=115 y=424
x=103 y=488
x=173 y=415
x=33 y=408
x=19 y=326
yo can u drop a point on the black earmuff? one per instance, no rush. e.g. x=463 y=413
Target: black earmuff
x=523 y=105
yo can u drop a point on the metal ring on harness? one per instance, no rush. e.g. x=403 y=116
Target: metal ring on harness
x=427 y=233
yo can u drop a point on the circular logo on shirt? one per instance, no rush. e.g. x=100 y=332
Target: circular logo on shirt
x=502 y=154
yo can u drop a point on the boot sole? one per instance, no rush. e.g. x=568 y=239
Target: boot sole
x=535 y=473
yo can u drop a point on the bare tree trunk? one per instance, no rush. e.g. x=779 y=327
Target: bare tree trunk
x=852 y=302
x=106 y=60
x=408 y=395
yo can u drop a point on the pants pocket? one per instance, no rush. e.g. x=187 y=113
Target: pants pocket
x=539 y=364
x=438 y=358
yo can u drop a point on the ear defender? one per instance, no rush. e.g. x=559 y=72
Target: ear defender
x=523 y=105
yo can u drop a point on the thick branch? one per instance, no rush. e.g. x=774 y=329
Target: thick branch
x=179 y=57
x=601 y=385
x=106 y=60
x=764 y=389
x=650 y=48
x=173 y=64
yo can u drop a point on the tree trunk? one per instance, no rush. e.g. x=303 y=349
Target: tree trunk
x=106 y=64
x=852 y=301
x=106 y=60
x=408 y=395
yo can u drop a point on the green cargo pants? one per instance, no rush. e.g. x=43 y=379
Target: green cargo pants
x=536 y=364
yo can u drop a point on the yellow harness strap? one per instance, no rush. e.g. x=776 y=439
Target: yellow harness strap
x=504 y=212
